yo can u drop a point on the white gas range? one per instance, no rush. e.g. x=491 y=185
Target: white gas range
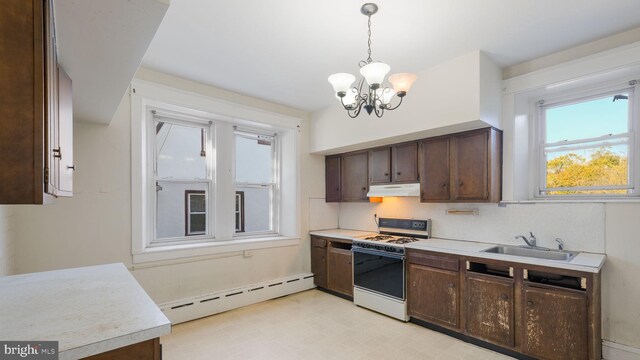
x=379 y=265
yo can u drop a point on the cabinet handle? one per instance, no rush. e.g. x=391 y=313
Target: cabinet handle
x=364 y=189
x=349 y=262
x=444 y=185
x=386 y=174
x=399 y=173
x=451 y=286
x=504 y=297
x=337 y=189
x=460 y=183
x=72 y=167
x=529 y=303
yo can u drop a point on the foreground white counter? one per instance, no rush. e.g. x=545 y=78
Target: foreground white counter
x=88 y=310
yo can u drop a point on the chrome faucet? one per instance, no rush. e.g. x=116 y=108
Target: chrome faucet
x=531 y=242
x=560 y=244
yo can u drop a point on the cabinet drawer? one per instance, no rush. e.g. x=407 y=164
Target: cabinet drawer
x=434 y=261
x=318 y=242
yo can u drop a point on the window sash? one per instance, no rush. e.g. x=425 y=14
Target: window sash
x=183 y=120
x=273 y=186
x=595 y=143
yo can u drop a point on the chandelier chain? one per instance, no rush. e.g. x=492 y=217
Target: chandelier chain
x=369 y=42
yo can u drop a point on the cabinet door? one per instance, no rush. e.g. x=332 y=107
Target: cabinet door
x=432 y=295
x=470 y=163
x=65 y=165
x=404 y=158
x=332 y=178
x=21 y=113
x=380 y=166
x=340 y=271
x=434 y=170
x=555 y=324
x=355 y=176
x=319 y=261
x=489 y=309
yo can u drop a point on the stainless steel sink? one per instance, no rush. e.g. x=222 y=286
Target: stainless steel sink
x=532 y=252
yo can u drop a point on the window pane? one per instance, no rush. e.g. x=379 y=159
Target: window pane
x=254 y=160
x=172 y=207
x=197 y=203
x=180 y=151
x=603 y=166
x=588 y=119
x=257 y=208
x=198 y=224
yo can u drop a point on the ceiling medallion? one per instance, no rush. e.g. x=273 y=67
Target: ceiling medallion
x=376 y=97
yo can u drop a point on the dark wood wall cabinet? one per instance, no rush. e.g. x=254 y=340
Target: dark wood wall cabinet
x=331 y=264
x=35 y=107
x=395 y=164
x=354 y=175
x=540 y=312
x=462 y=167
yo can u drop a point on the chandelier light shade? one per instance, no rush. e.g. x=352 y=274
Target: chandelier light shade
x=402 y=82
x=374 y=73
x=375 y=97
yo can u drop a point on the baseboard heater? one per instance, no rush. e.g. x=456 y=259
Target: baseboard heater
x=214 y=303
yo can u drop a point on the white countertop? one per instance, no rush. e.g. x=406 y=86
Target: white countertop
x=586 y=262
x=88 y=310
x=342 y=233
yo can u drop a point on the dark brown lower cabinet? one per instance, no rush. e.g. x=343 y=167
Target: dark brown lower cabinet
x=489 y=308
x=331 y=264
x=319 y=261
x=146 y=350
x=432 y=294
x=542 y=312
x=340 y=270
x=555 y=323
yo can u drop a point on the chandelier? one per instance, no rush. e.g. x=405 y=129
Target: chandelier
x=376 y=97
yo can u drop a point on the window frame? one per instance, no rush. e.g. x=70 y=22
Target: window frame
x=148 y=95
x=188 y=212
x=573 y=97
x=274 y=201
x=239 y=211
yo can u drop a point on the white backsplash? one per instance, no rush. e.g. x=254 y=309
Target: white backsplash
x=580 y=225
x=322 y=215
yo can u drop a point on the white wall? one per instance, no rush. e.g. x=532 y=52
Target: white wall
x=580 y=226
x=94 y=227
x=6 y=241
x=460 y=94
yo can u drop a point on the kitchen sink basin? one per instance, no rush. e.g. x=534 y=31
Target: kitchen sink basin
x=532 y=252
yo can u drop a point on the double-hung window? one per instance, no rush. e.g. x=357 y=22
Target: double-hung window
x=587 y=146
x=183 y=175
x=256 y=179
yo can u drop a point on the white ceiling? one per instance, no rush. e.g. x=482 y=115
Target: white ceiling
x=284 y=50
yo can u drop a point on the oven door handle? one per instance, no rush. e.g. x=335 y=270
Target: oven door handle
x=376 y=252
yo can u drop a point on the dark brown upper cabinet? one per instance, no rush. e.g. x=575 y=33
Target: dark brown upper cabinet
x=354 y=177
x=394 y=164
x=404 y=159
x=463 y=167
x=36 y=120
x=380 y=166
x=332 y=178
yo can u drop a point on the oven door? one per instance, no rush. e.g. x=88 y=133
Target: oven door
x=380 y=272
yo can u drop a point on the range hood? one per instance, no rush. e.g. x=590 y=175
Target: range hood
x=394 y=190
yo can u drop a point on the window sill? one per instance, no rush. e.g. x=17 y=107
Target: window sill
x=569 y=201
x=199 y=251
